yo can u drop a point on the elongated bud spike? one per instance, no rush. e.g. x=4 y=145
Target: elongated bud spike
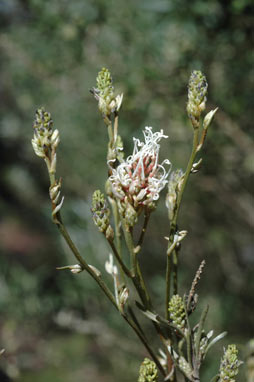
x=229 y=364
x=105 y=83
x=104 y=93
x=197 y=92
x=148 y=371
x=100 y=211
x=45 y=139
x=42 y=132
x=42 y=120
x=177 y=311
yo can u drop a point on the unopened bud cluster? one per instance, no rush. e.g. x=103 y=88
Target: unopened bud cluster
x=101 y=214
x=104 y=93
x=229 y=365
x=45 y=139
x=197 y=91
x=148 y=371
x=177 y=312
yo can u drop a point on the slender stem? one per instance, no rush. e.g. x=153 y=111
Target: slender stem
x=130 y=246
x=51 y=174
x=73 y=248
x=110 y=157
x=188 y=340
x=186 y=175
x=145 y=343
x=115 y=128
x=170 y=250
x=142 y=235
x=120 y=261
x=200 y=328
x=168 y=274
x=137 y=277
x=134 y=317
x=173 y=224
x=110 y=133
x=117 y=225
x=82 y=262
x=116 y=290
x=139 y=284
x=202 y=139
x=138 y=281
x=175 y=271
x=140 y=329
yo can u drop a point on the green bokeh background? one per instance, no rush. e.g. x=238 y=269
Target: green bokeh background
x=56 y=326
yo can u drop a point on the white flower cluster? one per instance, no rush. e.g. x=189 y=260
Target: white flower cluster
x=140 y=178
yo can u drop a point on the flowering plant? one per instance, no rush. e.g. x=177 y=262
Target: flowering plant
x=133 y=189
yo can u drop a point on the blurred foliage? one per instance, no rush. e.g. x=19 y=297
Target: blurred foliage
x=51 y=52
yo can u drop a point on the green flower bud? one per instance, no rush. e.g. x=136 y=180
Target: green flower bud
x=105 y=83
x=42 y=132
x=197 y=91
x=100 y=211
x=43 y=121
x=229 y=364
x=148 y=371
x=104 y=93
x=177 y=311
x=45 y=140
